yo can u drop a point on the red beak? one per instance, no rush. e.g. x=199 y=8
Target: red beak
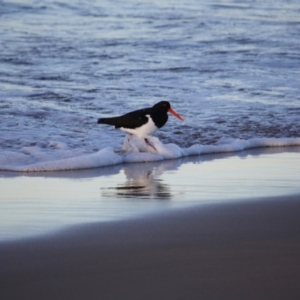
x=174 y=113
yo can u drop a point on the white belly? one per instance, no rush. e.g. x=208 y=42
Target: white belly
x=144 y=130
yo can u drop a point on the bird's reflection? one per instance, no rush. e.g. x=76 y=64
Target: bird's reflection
x=143 y=182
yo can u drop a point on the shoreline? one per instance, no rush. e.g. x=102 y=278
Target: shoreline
x=241 y=250
x=47 y=202
x=108 y=158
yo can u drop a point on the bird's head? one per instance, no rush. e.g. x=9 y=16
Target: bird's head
x=165 y=105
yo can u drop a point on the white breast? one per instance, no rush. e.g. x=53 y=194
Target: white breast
x=144 y=130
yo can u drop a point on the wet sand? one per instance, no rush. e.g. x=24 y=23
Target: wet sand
x=240 y=250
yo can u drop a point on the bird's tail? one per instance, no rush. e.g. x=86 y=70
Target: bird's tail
x=102 y=121
x=108 y=121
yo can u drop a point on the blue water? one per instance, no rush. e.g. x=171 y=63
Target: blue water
x=231 y=69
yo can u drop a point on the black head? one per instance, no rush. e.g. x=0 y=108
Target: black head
x=165 y=106
x=162 y=105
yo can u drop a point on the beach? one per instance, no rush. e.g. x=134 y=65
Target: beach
x=228 y=251
x=208 y=208
x=247 y=248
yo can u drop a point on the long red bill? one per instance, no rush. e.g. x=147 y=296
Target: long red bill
x=174 y=113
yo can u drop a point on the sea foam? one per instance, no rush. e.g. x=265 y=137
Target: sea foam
x=36 y=159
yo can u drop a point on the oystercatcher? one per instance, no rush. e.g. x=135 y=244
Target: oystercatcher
x=143 y=121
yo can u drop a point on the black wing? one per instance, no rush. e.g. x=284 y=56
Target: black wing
x=130 y=120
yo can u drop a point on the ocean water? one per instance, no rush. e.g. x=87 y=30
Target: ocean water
x=231 y=69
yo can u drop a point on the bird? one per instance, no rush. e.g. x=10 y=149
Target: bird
x=144 y=121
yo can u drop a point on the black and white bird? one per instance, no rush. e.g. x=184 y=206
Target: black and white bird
x=144 y=121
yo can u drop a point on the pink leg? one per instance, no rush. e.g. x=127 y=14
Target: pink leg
x=148 y=143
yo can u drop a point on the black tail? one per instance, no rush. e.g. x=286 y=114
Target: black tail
x=104 y=121
x=108 y=121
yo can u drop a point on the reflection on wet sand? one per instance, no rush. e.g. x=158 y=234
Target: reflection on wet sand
x=142 y=181
x=146 y=180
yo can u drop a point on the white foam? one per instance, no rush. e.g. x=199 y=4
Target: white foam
x=60 y=157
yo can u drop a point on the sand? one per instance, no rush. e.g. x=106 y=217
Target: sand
x=229 y=229
x=239 y=250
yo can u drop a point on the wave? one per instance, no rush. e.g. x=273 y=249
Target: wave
x=61 y=158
